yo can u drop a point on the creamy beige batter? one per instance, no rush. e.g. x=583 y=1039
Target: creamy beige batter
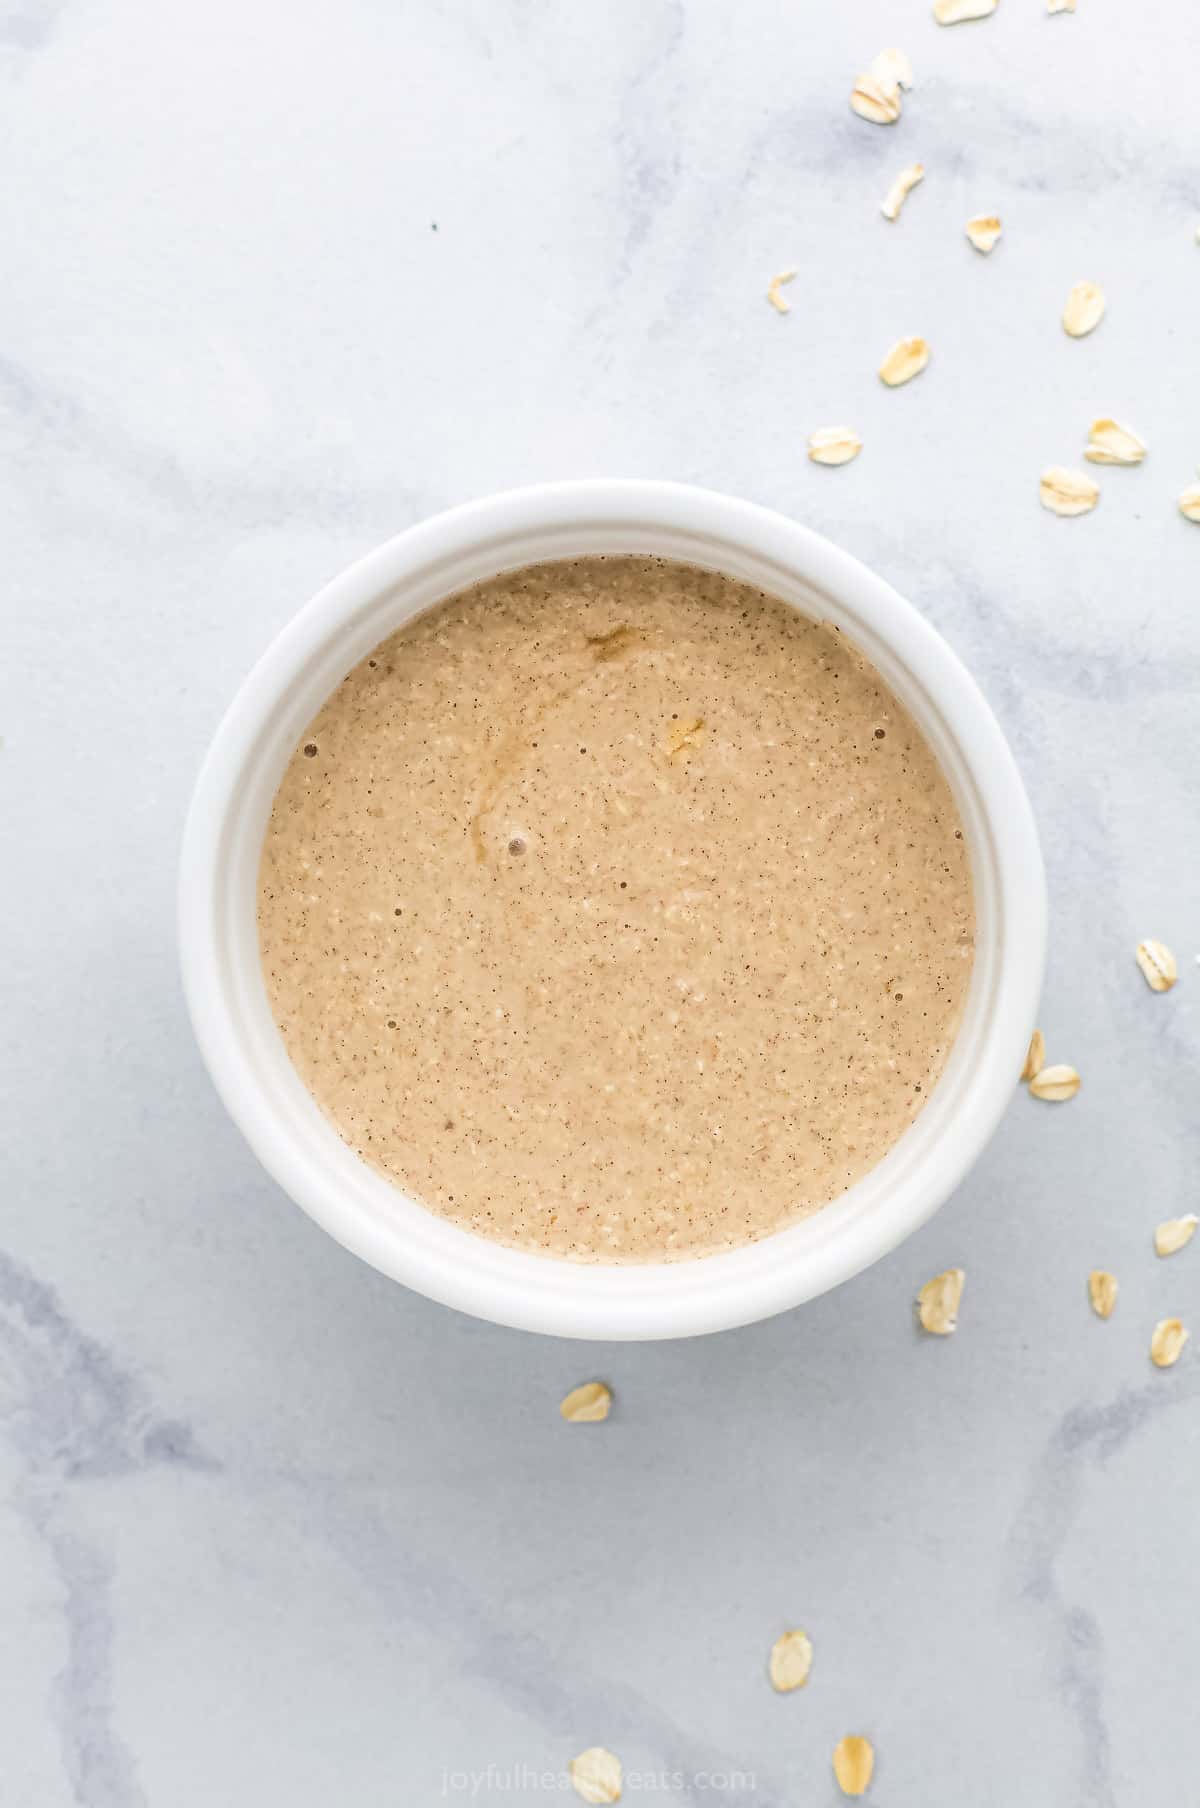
x=616 y=911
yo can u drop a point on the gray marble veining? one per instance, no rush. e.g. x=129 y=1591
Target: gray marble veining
x=280 y=281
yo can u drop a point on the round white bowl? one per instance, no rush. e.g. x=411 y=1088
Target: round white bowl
x=368 y=1214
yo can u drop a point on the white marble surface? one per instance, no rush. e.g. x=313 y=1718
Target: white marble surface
x=281 y=279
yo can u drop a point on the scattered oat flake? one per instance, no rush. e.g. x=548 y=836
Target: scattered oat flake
x=587 y=1404
x=1189 y=502
x=904 y=184
x=596 y=1775
x=1157 y=964
x=1035 y=1060
x=876 y=101
x=833 y=445
x=1066 y=492
x=1055 y=1083
x=1166 y=1346
x=1111 y=444
x=957 y=12
x=1060 y=6
x=853 y=1764
x=1084 y=309
x=1102 y=1291
x=938 y=1302
x=791 y=1661
x=775 y=291
x=906 y=360
x=891 y=69
x=1174 y=1234
x=984 y=231
x=683 y=737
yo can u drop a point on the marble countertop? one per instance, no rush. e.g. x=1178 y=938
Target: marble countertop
x=282 y=279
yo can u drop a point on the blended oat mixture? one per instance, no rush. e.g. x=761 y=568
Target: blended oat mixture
x=616 y=911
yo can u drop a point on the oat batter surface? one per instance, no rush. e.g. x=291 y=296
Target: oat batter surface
x=616 y=911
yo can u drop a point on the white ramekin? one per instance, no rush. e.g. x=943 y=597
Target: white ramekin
x=274 y=1110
